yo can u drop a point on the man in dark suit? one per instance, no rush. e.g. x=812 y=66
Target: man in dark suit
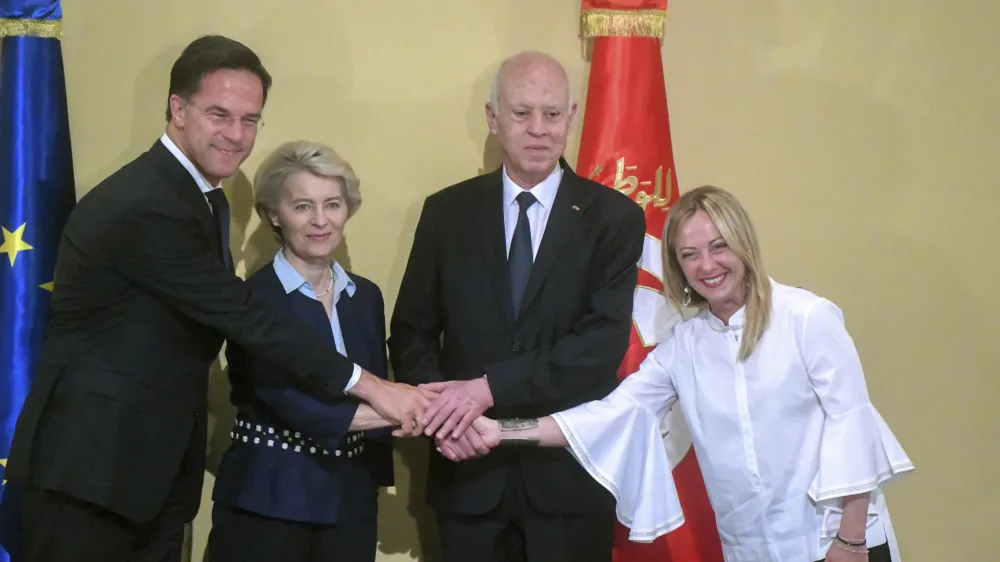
x=109 y=450
x=517 y=299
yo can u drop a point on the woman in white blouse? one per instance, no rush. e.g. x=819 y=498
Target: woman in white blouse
x=792 y=450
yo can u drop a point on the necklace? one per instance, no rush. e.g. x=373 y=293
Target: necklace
x=328 y=287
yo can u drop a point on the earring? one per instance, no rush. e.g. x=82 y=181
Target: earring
x=687 y=296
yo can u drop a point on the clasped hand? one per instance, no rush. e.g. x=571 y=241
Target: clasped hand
x=404 y=406
x=454 y=419
x=481 y=437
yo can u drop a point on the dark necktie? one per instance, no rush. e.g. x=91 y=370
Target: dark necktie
x=220 y=209
x=520 y=259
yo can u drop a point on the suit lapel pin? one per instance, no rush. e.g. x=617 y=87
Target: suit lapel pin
x=575 y=208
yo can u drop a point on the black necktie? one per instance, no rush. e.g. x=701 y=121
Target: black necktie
x=520 y=258
x=220 y=209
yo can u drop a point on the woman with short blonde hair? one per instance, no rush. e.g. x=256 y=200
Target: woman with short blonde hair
x=269 y=183
x=300 y=480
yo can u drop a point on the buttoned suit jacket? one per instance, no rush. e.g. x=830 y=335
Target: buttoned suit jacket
x=453 y=320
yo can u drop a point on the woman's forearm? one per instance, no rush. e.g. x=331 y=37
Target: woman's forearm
x=854 y=520
x=539 y=432
x=366 y=418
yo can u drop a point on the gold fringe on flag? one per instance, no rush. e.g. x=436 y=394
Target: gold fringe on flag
x=49 y=29
x=622 y=23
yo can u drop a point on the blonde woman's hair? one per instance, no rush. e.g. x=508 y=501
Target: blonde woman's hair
x=737 y=230
x=301 y=156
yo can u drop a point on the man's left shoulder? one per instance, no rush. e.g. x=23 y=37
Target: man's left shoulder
x=607 y=202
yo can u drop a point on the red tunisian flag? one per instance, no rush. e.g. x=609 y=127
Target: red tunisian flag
x=626 y=145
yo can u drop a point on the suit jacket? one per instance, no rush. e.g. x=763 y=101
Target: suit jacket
x=453 y=320
x=141 y=305
x=269 y=478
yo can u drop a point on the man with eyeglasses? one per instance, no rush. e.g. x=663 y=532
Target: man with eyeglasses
x=109 y=451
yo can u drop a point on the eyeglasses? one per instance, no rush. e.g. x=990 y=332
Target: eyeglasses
x=223 y=120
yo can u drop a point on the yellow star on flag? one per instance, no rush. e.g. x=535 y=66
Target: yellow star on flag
x=3 y=463
x=14 y=243
x=47 y=286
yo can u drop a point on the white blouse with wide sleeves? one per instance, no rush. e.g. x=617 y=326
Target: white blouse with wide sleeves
x=618 y=441
x=780 y=438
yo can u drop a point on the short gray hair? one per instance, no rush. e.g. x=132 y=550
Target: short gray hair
x=495 y=87
x=301 y=156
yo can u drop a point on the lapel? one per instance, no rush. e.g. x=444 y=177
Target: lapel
x=494 y=250
x=186 y=188
x=351 y=329
x=309 y=311
x=565 y=217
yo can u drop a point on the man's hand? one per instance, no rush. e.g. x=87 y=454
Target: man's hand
x=458 y=404
x=478 y=440
x=399 y=403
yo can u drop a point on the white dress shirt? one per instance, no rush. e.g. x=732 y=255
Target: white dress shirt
x=199 y=179
x=538 y=213
x=780 y=438
x=205 y=187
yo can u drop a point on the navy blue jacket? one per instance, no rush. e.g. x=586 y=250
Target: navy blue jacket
x=292 y=456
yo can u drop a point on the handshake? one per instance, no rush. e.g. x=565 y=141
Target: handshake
x=450 y=411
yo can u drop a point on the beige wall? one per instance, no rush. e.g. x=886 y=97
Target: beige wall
x=856 y=132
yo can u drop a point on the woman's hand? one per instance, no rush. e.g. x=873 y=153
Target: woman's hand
x=488 y=430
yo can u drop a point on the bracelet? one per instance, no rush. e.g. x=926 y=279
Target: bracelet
x=861 y=542
x=518 y=441
x=517 y=424
x=852 y=550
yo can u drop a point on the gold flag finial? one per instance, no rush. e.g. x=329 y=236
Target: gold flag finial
x=622 y=23
x=49 y=29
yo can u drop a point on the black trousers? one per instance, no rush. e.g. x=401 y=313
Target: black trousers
x=242 y=536
x=878 y=553
x=59 y=528
x=517 y=532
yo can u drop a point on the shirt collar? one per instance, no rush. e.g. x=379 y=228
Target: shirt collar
x=544 y=192
x=291 y=280
x=188 y=165
x=735 y=322
x=739 y=317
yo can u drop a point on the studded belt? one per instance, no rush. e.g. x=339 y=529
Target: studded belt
x=266 y=436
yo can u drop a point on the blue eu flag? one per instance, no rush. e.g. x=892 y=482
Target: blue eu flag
x=36 y=196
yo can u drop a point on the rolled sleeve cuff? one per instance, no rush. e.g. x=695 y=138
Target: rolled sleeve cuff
x=355 y=377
